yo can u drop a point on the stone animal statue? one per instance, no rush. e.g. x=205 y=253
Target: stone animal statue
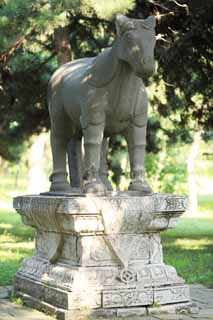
x=98 y=97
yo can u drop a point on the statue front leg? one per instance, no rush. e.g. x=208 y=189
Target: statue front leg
x=93 y=137
x=136 y=139
x=58 y=178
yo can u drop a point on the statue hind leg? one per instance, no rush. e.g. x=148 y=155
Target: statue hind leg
x=103 y=164
x=59 y=139
x=76 y=162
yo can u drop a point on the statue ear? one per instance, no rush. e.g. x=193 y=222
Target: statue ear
x=122 y=24
x=151 y=21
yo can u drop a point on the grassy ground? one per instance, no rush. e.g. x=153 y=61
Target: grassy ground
x=16 y=243
x=189 y=247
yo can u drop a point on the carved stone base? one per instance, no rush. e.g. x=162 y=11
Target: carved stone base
x=63 y=314
x=101 y=254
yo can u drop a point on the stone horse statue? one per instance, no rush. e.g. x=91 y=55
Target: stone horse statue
x=98 y=97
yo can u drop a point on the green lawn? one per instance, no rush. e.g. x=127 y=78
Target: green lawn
x=16 y=243
x=189 y=247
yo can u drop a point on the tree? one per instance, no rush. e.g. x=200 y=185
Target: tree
x=28 y=57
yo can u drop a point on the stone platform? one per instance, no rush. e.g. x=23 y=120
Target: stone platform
x=103 y=254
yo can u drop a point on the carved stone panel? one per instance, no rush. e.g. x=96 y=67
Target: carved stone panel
x=126 y=215
x=82 y=224
x=119 y=249
x=127 y=298
x=93 y=251
x=58 y=297
x=47 y=244
x=171 y=294
x=169 y=203
x=156 y=251
x=111 y=214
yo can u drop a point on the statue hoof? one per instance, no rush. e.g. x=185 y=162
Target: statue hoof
x=94 y=187
x=60 y=187
x=140 y=186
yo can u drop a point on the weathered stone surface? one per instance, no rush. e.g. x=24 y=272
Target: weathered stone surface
x=173 y=317
x=202 y=296
x=60 y=298
x=175 y=308
x=127 y=298
x=47 y=244
x=171 y=294
x=125 y=249
x=10 y=311
x=70 y=277
x=101 y=253
x=5 y=292
x=129 y=312
x=108 y=215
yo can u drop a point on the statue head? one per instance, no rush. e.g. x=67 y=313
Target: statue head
x=136 y=43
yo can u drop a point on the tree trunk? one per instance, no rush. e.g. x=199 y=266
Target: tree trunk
x=37 y=181
x=64 y=55
x=192 y=185
x=62 y=45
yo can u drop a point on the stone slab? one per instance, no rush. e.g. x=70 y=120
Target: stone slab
x=11 y=311
x=5 y=292
x=127 y=298
x=130 y=312
x=182 y=308
x=57 y=297
x=112 y=214
x=171 y=294
x=202 y=296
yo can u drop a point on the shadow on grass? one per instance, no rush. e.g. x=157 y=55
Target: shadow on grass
x=189 y=249
x=193 y=265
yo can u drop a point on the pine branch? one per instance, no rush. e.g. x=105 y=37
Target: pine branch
x=90 y=19
x=6 y=56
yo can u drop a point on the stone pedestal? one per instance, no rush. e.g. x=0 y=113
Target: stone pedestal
x=100 y=255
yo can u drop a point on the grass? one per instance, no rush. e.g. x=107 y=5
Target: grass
x=189 y=248
x=16 y=243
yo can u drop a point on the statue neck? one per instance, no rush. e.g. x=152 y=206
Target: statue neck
x=123 y=70
x=107 y=67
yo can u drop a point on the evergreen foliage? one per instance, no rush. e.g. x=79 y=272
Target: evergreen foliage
x=180 y=92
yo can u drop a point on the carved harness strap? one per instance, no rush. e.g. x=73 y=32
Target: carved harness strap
x=126 y=275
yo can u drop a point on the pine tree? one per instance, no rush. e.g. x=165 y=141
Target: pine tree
x=30 y=52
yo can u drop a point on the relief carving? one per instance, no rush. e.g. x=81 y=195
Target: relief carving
x=127 y=298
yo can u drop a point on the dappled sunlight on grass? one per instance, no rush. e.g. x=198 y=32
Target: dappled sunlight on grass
x=6 y=226
x=19 y=245
x=11 y=257
x=189 y=249
x=193 y=244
